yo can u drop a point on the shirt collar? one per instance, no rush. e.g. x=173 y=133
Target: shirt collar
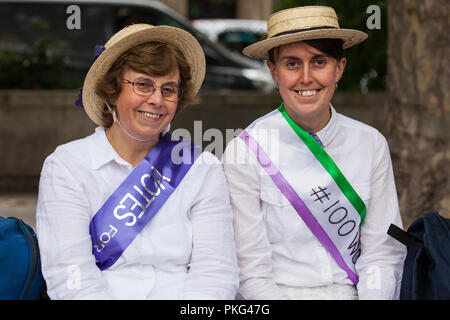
x=101 y=151
x=327 y=133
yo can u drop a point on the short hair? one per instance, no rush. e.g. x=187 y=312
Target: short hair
x=154 y=59
x=332 y=47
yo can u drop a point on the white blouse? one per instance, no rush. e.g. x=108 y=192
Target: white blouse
x=277 y=253
x=186 y=251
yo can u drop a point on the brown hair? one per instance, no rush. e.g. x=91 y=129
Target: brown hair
x=154 y=59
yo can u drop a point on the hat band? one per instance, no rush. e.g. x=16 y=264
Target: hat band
x=301 y=30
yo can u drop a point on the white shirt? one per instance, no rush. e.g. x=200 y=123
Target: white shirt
x=186 y=251
x=276 y=250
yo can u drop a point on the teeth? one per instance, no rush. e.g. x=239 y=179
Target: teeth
x=150 y=115
x=307 y=93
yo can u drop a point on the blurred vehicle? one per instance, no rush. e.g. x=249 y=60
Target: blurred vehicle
x=234 y=34
x=45 y=28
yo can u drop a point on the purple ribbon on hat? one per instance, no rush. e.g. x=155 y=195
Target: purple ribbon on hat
x=98 y=51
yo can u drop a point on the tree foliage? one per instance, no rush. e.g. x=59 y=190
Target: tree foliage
x=39 y=64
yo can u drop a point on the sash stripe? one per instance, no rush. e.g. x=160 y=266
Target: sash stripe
x=329 y=165
x=288 y=191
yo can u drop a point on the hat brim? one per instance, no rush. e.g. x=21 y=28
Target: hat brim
x=259 y=50
x=183 y=40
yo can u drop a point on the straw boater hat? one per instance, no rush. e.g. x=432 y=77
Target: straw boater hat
x=302 y=23
x=129 y=37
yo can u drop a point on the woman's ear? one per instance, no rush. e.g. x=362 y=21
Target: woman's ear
x=273 y=70
x=340 y=68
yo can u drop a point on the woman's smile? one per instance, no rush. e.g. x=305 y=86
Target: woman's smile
x=149 y=115
x=307 y=93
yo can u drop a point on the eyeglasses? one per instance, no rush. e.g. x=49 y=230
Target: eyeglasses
x=170 y=92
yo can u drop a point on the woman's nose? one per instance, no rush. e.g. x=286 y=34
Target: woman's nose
x=305 y=75
x=156 y=98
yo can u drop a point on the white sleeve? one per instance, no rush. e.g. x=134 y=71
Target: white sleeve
x=380 y=265
x=213 y=271
x=62 y=221
x=253 y=247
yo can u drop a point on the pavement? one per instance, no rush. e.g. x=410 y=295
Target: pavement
x=22 y=206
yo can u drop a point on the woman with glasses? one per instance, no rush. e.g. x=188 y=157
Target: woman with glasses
x=127 y=212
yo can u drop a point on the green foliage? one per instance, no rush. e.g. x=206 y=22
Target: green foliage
x=34 y=68
x=37 y=66
x=363 y=60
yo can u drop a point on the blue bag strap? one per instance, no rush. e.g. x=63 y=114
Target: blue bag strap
x=34 y=252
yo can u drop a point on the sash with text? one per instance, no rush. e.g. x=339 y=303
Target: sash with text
x=336 y=226
x=139 y=197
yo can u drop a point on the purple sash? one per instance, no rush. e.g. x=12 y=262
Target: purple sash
x=139 y=197
x=303 y=211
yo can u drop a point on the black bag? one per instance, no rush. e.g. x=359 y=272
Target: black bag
x=426 y=271
x=20 y=264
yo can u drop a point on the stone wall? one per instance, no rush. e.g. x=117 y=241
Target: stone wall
x=34 y=123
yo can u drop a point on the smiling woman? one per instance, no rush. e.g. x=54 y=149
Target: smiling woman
x=141 y=60
x=116 y=206
x=141 y=112
x=306 y=78
x=312 y=204
x=133 y=105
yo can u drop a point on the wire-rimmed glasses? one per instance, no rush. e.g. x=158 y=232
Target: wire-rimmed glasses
x=144 y=87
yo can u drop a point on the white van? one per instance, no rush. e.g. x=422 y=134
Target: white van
x=234 y=34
